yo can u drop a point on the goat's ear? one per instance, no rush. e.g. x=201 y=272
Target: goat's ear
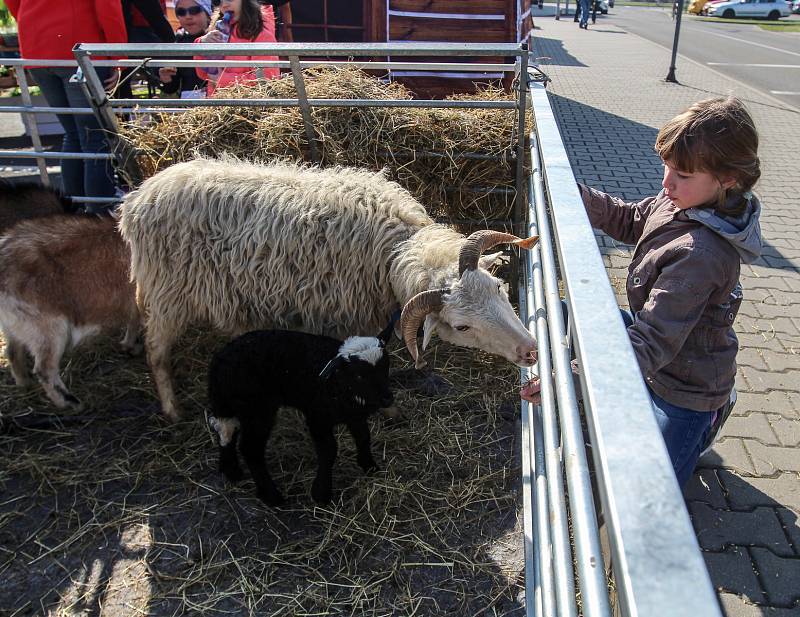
x=487 y=261
x=386 y=334
x=431 y=321
x=330 y=367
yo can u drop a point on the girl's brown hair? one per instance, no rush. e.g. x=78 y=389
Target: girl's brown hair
x=715 y=136
x=251 y=21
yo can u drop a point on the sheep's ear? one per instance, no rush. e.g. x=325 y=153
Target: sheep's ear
x=431 y=321
x=487 y=261
x=330 y=367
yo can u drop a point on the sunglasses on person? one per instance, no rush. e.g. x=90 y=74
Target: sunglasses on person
x=192 y=10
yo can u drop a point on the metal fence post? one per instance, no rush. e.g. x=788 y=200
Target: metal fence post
x=305 y=107
x=30 y=123
x=98 y=98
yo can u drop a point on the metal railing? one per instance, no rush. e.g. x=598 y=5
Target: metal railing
x=656 y=562
x=653 y=551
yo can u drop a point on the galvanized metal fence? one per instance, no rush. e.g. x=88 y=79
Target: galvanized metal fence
x=619 y=510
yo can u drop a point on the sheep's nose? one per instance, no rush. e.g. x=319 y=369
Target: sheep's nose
x=527 y=353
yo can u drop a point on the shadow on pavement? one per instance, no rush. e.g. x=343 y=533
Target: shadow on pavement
x=746 y=535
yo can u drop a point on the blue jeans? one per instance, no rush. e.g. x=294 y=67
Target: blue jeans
x=584 y=12
x=82 y=133
x=684 y=430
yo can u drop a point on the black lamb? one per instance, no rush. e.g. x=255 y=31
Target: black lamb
x=331 y=382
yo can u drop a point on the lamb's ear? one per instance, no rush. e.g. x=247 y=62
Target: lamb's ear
x=386 y=334
x=431 y=321
x=487 y=261
x=330 y=367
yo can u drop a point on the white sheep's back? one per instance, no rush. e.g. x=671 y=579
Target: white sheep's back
x=241 y=245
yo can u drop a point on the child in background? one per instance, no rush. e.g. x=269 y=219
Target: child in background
x=683 y=280
x=194 y=17
x=250 y=23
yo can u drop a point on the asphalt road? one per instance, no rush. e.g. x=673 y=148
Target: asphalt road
x=765 y=60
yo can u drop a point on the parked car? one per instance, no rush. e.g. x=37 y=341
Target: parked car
x=795 y=8
x=611 y=4
x=603 y=5
x=771 y=9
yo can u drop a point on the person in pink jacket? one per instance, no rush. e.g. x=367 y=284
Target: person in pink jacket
x=250 y=23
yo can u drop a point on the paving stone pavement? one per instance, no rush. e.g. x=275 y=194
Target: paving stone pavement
x=610 y=98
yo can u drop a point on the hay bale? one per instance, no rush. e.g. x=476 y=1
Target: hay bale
x=399 y=140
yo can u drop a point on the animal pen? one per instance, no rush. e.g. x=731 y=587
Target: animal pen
x=122 y=518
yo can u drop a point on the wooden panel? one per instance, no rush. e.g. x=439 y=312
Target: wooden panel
x=485 y=7
x=457 y=30
x=439 y=87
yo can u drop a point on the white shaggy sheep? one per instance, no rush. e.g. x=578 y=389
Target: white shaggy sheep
x=243 y=246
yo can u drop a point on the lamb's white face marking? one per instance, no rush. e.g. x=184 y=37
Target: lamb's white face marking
x=225 y=428
x=368 y=348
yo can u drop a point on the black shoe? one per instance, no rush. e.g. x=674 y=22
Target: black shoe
x=716 y=426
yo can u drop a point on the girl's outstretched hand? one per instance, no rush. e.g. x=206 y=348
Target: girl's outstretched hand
x=531 y=391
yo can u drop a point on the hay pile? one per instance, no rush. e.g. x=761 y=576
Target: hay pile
x=111 y=511
x=399 y=139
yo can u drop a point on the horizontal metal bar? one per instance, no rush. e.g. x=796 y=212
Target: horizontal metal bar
x=32 y=154
x=657 y=562
x=218 y=102
x=284 y=64
x=302 y=49
x=95 y=200
x=21 y=109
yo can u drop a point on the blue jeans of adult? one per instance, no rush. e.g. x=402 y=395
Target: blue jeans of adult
x=684 y=430
x=584 y=12
x=82 y=133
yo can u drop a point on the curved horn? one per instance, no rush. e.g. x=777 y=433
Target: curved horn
x=484 y=239
x=414 y=312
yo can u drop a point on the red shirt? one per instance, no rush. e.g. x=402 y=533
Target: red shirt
x=50 y=29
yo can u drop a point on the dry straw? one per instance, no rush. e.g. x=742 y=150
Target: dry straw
x=422 y=148
x=112 y=508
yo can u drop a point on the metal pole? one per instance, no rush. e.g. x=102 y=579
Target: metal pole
x=30 y=123
x=558 y=9
x=671 y=75
x=95 y=92
x=305 y=107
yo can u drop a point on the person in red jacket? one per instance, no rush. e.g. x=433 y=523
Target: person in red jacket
x=49 y=30
x=251 y=23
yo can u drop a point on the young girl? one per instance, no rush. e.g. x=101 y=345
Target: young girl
x=683 y=280
x=250 y=23
x=194 y=17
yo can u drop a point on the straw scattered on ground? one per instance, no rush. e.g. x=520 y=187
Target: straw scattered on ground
x=112 y=507
x=420 y=147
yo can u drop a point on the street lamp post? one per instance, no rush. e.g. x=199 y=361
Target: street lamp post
x=671 y=74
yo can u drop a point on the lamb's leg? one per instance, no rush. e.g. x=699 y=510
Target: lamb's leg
x=228 y=459
x=47 y=354
x=17 y=361
x=359 y=429
x=159 y=339
x=253 y=439
x=325 y=445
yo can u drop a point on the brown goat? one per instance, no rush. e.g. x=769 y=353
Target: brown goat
x=62 y=278
x=27 y=200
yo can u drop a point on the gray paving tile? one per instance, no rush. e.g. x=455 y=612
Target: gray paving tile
x=731 y=570
x=717 y=529
x=781 y=576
